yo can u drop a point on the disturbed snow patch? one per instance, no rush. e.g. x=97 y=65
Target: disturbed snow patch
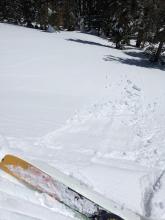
x=124 y=129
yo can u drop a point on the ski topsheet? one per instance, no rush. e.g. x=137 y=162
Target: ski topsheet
x=42 y=182
x=65 y=189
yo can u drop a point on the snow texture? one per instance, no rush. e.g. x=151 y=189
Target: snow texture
x=97 y=114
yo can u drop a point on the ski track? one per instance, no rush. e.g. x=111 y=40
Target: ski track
x=28 y=204
x=28 y=208
x=6 y=214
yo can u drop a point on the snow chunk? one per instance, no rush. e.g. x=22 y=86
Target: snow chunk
x=136 y=88
x=50 y=29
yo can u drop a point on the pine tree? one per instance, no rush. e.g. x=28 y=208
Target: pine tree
x=3 y=10
x=160 y=28
x=121 y=21
x=69 y=14
x=11 y=11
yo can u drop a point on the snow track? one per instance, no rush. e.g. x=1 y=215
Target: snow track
x=6 y=215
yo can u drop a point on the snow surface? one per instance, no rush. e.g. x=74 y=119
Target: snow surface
x=73 y=102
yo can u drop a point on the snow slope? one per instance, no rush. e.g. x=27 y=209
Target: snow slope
x=71 y=101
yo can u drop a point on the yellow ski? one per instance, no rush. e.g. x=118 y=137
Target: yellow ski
x=30 y=175
x=83 y=201
x=44 y=183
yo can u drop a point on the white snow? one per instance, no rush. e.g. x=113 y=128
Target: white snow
x=71 y=101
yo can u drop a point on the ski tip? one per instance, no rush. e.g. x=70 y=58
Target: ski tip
x=6 y=157
x=13 y=160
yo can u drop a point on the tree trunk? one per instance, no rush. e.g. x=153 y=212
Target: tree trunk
x=158 y=52
x=139 y=38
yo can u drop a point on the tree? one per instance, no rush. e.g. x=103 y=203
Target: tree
x=121 y=21
x=3 y=15
x=11 y=11
x=160 y=28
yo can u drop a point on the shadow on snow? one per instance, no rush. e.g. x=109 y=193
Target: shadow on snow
x=89 y=42
x=136 y=59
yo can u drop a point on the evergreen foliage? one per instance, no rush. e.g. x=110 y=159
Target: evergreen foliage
x=118 y=20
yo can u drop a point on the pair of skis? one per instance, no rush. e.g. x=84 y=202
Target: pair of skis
x=43 y=182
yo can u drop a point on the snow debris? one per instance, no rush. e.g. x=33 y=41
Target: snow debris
x=136 y=88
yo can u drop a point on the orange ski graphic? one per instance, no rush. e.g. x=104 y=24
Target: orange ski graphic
x=28 y=174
